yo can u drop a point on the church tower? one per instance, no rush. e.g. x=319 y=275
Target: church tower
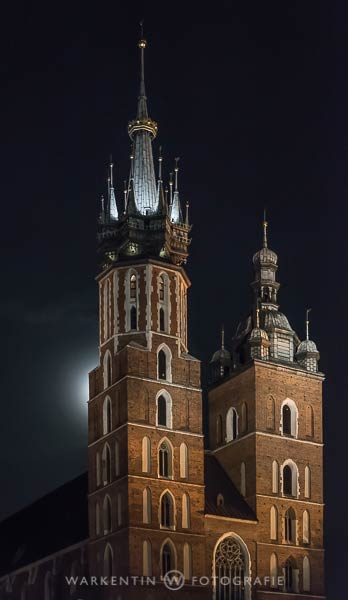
x=265 y=423
x=146 y=472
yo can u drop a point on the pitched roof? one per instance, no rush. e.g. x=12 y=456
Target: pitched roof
x=54 y=522
x=218 y=482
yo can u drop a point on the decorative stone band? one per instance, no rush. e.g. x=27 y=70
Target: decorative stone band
x=145 y=124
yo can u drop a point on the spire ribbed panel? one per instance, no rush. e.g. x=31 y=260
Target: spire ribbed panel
x=144 y=174
x=175 y=213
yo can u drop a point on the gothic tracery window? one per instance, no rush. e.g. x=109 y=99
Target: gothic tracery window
x=230 y=563
x=167 y=559
x=133 y=287
x=167 y=511
x=165 y=460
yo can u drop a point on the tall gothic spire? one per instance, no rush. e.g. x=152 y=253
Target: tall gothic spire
x=142 y=131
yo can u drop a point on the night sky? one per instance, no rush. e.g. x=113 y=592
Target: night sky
x=253 y=98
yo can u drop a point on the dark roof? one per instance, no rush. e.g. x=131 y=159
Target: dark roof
x=218 y=482
x=50 y=524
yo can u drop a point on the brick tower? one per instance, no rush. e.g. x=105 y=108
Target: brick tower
x=146 y=458
x=266 y=431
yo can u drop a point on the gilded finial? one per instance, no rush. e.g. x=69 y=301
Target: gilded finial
x=160 y=159
x=187 y=214
x=176 y=169
x=111 y=171
x=264 y=225
x=170 y=189
x=307 y=322
x=222 y=337
x=142 y=42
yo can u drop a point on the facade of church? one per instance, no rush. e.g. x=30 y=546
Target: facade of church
x=237 y=516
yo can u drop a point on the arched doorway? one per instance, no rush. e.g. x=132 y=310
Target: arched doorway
x=231 y=568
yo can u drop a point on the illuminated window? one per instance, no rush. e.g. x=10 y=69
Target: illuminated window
x=133 y=287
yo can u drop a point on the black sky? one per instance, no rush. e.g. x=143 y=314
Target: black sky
x=253 y=97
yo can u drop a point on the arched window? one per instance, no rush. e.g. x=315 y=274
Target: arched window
x=219 y=434
x=147 y=506
x=290 y=526
x=162 y=320
x=107 y=309
x=163 y=296
x=187 y=562
x=286 y=420
x=107 y=369
x=309 y=421
x=98 y=468
x=273 y=570
x=306 y=575
x=48 y=586
x=161 y=288
x=162 y=365
x=220 y=500
x=291 y=576
x=231 y=424
x=243 y=479
x=275 y=477
x=274 y=523
x=167 y=511
x=167 y=558
x=289 y=418
x=244 y=417
x=165 y=460
x=97 y=519
x=186 y=511
x=164 y=359
x=106 y=464
x=117 y=458
x=231 y=569
x=107 y=519
x=307 y=489
x=183 y=461
x=108 y=562
x=107 y=415
x=147 y=559
x=270 y=417
x=119 y=509
x=133 y=287
x=305 y=527
x=133 y=318
x=164 y=409
x=146 y=455
x=117 y=409
x=290 y=479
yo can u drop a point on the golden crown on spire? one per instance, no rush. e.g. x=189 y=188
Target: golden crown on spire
x=142 y=44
